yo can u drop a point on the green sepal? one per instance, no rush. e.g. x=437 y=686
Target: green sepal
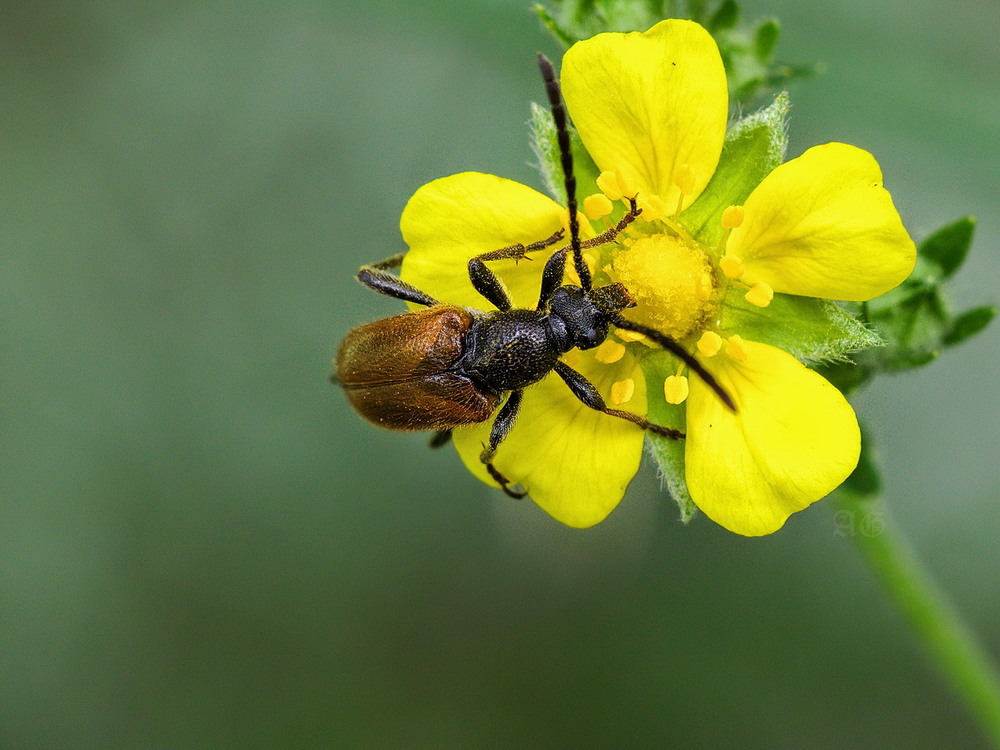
x=545 y=144
x=968 y=324
x=949 y=246
x=754 y=147
x=668 y=454
x=812 y=330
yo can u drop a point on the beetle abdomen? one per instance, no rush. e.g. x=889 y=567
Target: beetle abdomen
x=396 y=371
x=434 y=402
x=403 y=347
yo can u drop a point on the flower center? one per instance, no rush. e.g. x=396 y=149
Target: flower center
x=670 y=280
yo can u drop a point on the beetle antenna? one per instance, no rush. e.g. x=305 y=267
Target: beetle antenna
x=566 y=160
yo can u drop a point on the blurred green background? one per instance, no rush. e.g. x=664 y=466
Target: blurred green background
x=201 y=546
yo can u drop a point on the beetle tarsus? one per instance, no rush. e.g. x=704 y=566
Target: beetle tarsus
x=504 y=483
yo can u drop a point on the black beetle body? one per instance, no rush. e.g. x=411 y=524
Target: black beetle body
x=449 y=366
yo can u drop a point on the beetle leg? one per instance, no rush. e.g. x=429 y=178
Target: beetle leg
x=488 y=284
x=375 y=276
x=584 y=390
x=678 y=351
x=605 y=237
x=439 y=438
x=501 y=428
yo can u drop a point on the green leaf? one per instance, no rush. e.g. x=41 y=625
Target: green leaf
x=968 y=324
x=949 y=246
x=554 y=27
x=810 y=329
x=766 y=39
x=913 y=319
x=726 y=17
x=668 y=454
x=545 y=144
x=753 y=148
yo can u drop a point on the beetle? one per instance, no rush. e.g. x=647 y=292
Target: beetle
x=448 y=366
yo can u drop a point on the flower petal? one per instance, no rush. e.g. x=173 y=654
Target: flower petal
x=575 y=462
x=793 y=441
x=646 y=104
x=822 y=225
x=449 y=220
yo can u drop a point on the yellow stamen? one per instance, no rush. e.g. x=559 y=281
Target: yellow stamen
x=710 y=343
x=733 y=217
x=732 y=266
x=597 y=206
x=609 y=352
x=706 y=286
x=760 y=294
x=621 y=392
x=626 y=186
x=736 y=348
x=675 y=389
x=629 y=336
x=572 y=357
x=608 y=183
x=653 y=207
x=684 y=179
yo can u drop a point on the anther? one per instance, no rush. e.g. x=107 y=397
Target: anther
x=684 y=179
x=733 y=217
x=608 y=183
x=629 y=336
x=675 y=389
x=572 y=357
x=609 y=352
x=710 y=343
x=732 y=266
x=653 y=207
x=597 y=206
x=621 y=392
x=760 y=294
x=736 y=348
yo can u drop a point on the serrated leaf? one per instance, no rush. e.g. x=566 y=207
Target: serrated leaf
x=753 y=148
x=949 y=246
x=913 y=328
x=810 y=329
x=545 y=144
x=668 y=454
x=968 y=324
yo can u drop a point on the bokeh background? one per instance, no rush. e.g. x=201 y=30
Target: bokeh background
x=201 y=546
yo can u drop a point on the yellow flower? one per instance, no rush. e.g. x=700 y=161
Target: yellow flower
x=651 y=109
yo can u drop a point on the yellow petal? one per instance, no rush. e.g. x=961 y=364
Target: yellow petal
x=448 y=221
x=647 y=104
x=793 y=441
x=822 y=225
x=574 y=462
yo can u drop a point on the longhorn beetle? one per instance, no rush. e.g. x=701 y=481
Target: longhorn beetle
x=448 y=366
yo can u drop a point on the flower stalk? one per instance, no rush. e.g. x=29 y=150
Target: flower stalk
x=938 y=626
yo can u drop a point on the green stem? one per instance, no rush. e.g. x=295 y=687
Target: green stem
x=950 y=644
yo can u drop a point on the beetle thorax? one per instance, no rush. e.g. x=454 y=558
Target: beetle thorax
x=584 y=322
